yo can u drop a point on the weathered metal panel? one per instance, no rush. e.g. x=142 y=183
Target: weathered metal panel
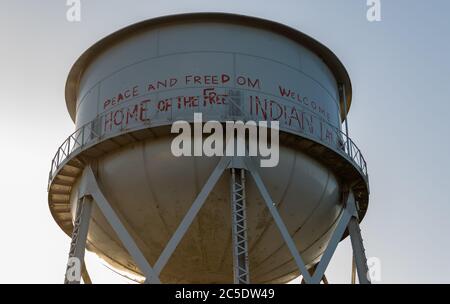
x=197 y=67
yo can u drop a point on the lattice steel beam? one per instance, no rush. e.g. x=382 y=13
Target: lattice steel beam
x=239 y=227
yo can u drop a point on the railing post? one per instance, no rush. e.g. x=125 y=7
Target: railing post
x=94 y=134
x=57 y=157
x=361 y=161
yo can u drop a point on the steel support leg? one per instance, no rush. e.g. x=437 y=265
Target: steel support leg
x=239 y=227
x=344 y=220
x=348 y=220
x=79 y=237
x=311 y=271
x=92 y=188
x=278 y=220
x=191 y=214
x=358 y=251
x=353 y=269
x=238 y=169
x=152 y=274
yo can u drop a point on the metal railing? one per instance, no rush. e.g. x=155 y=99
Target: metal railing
x=353 y=152
x=91 y=133
x=88 y=134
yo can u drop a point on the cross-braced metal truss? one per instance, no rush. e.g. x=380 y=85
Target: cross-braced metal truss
x=239 y=227
x=91 y=192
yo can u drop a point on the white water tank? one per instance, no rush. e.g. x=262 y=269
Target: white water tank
x=125 y=92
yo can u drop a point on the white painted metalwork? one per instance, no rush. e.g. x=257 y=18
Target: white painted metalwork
x=79 y=235
x=239 y=227
x=270 y=204
x=348 y=220
x=358 y=251
x=133 y=85
x=92 y=188
x=89 y=135
x=347 y=213
x=191 y=214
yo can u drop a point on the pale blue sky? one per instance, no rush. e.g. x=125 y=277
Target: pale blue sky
x=400 y=71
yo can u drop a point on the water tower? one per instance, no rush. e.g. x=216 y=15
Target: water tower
x=117 y=190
